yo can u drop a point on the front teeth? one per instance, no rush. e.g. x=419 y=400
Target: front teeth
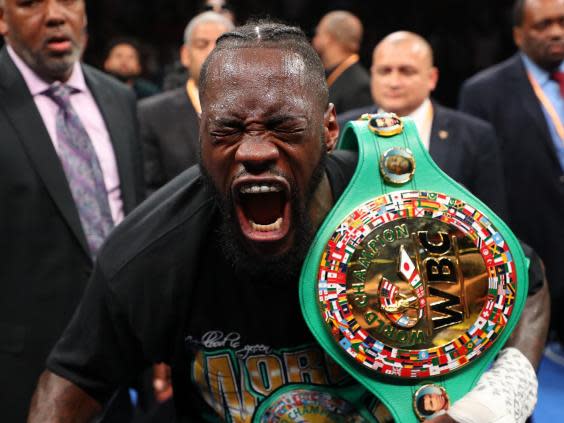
x=267 y=228
x=260 y=189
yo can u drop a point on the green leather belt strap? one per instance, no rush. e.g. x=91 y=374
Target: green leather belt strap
x=487 y=328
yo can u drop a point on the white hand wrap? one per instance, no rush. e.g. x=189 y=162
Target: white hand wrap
x=506 y=393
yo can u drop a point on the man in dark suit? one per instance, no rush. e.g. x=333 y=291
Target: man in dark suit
x=403 y=77
x=337 y=41
x=523 y=100
x=56 y=206
x=169 y=122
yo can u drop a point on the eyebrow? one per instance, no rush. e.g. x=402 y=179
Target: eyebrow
x=281 y=118
x=198 y=39
x=227 y=121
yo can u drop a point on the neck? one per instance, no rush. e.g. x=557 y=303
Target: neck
x=549 y=66
x=334 y=57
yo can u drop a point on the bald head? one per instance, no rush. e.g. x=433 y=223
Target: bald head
x=415 y=43
x=337 y=36
x=402 y=73
x=344 y=28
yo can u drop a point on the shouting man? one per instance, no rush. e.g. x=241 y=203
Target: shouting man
x=204 y=275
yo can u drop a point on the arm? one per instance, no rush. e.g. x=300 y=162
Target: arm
x=152 y=163
x=529 y=337
x=56 y=400
x=530 y=333
x=96 y=354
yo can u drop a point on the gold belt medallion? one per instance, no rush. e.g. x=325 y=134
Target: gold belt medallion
x=415 y=284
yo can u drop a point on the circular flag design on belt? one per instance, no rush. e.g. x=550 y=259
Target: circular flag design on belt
x=415 y=284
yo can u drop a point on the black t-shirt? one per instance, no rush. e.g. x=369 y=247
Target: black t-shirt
x=162 y=268
x=163 y=292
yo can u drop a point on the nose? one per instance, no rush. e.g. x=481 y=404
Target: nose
x=257 y=154
x=54 y=12
x=394 y=79
x=557 y=30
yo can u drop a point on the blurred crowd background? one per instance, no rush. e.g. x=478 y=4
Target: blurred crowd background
x=466 y=36
x=504 y=141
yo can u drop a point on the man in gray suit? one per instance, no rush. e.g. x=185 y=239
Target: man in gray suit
x=169 y=121
x=70 y=170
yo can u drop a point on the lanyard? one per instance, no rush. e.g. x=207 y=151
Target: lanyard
x=192 y=92
x=343 y=66
x=548 y=107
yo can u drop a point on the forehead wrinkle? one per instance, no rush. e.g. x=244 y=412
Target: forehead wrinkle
x=272 y=78
x=234 y=64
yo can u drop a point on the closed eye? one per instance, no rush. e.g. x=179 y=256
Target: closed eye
x=225 y=135
x=27 y=3
x=224 y=130
x=289 y=129
x=284 y=125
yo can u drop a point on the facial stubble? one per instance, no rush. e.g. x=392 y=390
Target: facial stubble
x=268 y=269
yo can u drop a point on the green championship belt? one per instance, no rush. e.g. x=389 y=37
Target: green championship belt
x=412 y=284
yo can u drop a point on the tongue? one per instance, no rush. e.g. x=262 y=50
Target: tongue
x=263 y=209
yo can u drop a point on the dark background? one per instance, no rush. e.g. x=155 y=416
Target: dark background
x=466 y=35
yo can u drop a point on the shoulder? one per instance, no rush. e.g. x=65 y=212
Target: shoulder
x=108 y=91
x=165 y=99
x=100 y=78
x=462 y=119
x=161 y=228
x=359 y=70
x=493 y=75
x=469 y=131
x=341 y=165
x=160 y=110
x=354 y=76
x=145 y=88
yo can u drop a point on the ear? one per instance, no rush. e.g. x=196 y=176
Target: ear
x=3 y=25
x=184 y=56
x=518 y=35
x=330 y=127
x=433 y=78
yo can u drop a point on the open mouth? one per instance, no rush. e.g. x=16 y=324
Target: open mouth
x=263 y=208
x=59 y=44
